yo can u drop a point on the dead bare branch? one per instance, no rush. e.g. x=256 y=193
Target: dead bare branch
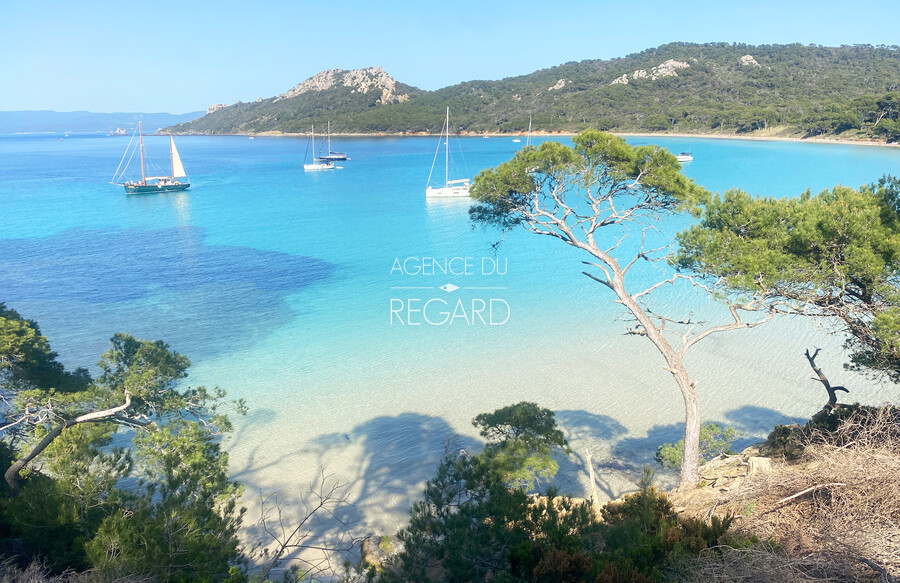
x=832 y=391
x=808 y=490
x=886 y=577
x=289 y=536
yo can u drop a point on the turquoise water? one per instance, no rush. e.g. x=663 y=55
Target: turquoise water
x=278 y=284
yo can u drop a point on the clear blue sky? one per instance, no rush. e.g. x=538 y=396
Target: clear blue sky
x=183 y=55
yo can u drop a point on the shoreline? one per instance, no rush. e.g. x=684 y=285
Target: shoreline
x=764 y=139
x=705 y=136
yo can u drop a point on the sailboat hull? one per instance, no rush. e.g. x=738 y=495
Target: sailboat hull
x=449 y=191
x=156 y=188
x=318 y=166
x=154 y=184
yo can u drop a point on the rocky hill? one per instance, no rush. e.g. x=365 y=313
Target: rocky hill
x=330 y=95
x=373 y=79
x=678 y=87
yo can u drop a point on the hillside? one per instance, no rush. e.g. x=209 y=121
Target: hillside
x=335 y=95
x=678 y=87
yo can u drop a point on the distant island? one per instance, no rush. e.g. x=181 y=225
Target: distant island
x=15 y=122
x=793 y=91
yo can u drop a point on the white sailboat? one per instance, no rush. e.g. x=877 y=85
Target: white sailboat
x=528 y=138
x=458 y=188
x=316 y=163
x=153 y=184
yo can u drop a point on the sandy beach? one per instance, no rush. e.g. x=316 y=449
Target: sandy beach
x=705 y=136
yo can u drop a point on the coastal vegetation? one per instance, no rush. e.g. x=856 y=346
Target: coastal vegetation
x=152 y=502
x=722 y=88
x=715 y=440
x=833 y=255
x=123 y=474
x=592 y=197
x=756 y=519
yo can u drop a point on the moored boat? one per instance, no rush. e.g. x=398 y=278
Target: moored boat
x=317 y=163
x=457 y=188
x=332 y=156
x=154 y=184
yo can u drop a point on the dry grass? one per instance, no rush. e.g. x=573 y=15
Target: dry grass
x=753 y=565
x=850 y=512
x=37 y=572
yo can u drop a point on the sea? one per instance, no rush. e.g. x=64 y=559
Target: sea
x=365 y=326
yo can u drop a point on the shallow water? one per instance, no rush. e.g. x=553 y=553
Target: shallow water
x=278 y=284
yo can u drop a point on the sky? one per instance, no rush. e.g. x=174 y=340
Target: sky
x=184 y=55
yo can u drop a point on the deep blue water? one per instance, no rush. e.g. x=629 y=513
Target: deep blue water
x=278 y=285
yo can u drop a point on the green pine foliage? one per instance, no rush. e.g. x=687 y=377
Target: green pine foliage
x=26 y=359
x=522 y=438
x=476 y=520
x=835 y=254
x=715 y=440
x=139 y=492
x=474 y=524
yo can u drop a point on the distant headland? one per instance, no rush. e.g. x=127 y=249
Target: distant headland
x=849 y=93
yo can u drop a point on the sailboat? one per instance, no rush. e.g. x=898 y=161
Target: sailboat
x=317 y=164
x=451 y=188
x=528 y=139
x=151 y=184
x=332 y=156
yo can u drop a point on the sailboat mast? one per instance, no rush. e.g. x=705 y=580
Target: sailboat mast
x=172 y=154
x=312 y=132
x=329 y=137
x=141 y=136
x=447 y=149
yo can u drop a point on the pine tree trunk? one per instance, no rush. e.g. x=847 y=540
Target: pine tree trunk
x=690 y=461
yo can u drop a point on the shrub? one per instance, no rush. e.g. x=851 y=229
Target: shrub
x=714 y=440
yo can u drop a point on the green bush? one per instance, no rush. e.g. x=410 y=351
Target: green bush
x=714 y=440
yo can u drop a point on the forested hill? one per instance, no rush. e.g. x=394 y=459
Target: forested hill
x=724 y=88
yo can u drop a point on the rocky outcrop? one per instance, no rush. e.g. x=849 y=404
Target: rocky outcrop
x=749 y=61
x=376 y=551
x=559 y=85
x=666 y=69
x=318 y=82
x=359 y=80
x=214 y=107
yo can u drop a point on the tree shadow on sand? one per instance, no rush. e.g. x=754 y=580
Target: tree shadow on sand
x=587 y=432
x=384 y=463
x=395 y=456
x=755 y=423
